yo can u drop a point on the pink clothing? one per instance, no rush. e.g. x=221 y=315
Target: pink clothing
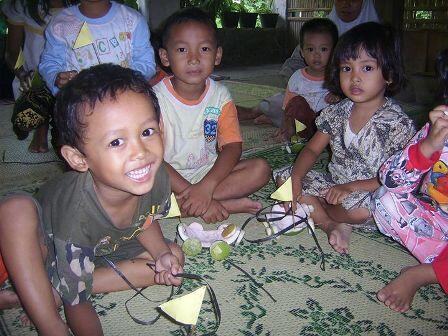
x=417 y=220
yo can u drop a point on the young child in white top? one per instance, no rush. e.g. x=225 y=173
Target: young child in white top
x=201 y=134
x=305 y=94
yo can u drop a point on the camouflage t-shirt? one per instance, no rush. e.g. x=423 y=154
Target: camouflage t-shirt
x=78 y=230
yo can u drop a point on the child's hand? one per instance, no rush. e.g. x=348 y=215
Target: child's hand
x=332 y=98
x=196 y=199
x=438 y=133
x=64 y=77
x=167 y=265
x=25 y=78
x=336 y=194
x=296 y=192
x=215 y=213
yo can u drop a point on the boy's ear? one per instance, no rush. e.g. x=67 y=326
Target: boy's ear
x=163 y=54
x=218 y=56
x=74 y=158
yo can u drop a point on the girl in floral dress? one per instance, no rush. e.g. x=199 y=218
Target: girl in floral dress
x=362 y=130
x=412 y=205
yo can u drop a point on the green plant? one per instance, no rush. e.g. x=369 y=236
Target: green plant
x=229 y=6
x=256 y=6
x=265 y=7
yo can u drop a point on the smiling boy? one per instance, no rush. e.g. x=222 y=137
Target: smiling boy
x=200 y=127
x=107 y=207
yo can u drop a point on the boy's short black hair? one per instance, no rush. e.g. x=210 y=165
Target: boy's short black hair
x=377 y=40
x=321 y=26
x=187 y=15
x=79 y=96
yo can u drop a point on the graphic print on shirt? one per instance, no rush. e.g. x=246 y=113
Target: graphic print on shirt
x=104 y=50
x=438 y=184
x=209 y=132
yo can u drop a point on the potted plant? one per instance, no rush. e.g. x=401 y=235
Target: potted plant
x=212 y=7
x=229 y=14
x=268 y=18
x=247 y=19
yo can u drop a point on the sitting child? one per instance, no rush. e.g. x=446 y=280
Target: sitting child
x=201 y=133
x=305 y=95
x=53 y=246
x=118 y=34
x=418 y=221
x=363 y=130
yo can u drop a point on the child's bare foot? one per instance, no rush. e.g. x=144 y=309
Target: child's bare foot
x=242 y=205
x=338 y=236
x=399 y=293
x=39 y=144
x=8 y=299
x=263 y=120
x=247 y=113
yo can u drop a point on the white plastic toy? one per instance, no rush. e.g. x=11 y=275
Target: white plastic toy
x=273 y=226
x=230 y=233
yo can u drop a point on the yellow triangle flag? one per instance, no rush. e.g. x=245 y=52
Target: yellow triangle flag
x=20 y=60
x=299 y=126
x=284 y=192
x=84 y=37
x=185 y=309
x=174 y=208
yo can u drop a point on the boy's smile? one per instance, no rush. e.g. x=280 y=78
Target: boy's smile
x=122 y=145
x=316 y=51
x=192 y=53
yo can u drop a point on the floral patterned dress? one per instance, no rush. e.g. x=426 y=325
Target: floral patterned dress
x=386 y=132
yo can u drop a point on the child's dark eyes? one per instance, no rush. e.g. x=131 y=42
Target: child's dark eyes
x=368 y=68
x=345 y=68
x=205 y=49
x=148 y=132
x=181 y=50
x=324 y=49
x=116 y=143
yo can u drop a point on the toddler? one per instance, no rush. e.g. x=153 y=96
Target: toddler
x=305 y=95
x=412 y=205
x=362 y=130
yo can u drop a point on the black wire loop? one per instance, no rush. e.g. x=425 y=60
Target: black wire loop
x=261 y=216
x=139 y=292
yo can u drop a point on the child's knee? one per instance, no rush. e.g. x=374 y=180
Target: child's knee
x=17 y=211
x=177 y=251
x=262 y=169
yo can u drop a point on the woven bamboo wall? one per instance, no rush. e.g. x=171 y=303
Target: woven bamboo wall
x=435 y=12
x=299 y=11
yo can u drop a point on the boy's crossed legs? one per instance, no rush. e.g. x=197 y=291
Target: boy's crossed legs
x=230 y=196
x=24 y=253
x=246 y=177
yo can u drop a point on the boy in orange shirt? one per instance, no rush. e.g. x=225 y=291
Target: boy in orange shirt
x=202 y=139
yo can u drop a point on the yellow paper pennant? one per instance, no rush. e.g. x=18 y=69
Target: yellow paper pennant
x=84 y=37
x=284 y=192
x=299 y=126
x=174 y=209
x=185 y=309
x=20 y=60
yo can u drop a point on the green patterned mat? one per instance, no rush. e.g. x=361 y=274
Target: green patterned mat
x=338 y=301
